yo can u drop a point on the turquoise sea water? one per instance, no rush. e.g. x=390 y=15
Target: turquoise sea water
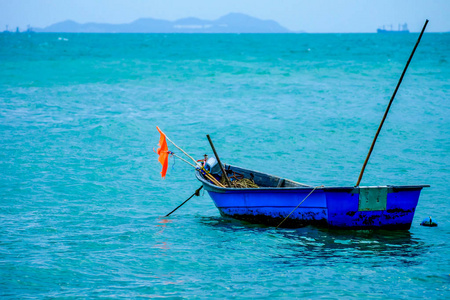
x=82 y=200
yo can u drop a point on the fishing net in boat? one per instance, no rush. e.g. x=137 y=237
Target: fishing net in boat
x=238 y=181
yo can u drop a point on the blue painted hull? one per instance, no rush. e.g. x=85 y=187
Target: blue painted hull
x=392 y=207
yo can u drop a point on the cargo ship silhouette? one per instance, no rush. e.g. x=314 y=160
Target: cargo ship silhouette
x=401 y=29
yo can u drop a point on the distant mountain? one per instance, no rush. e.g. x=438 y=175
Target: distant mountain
x=231 y=23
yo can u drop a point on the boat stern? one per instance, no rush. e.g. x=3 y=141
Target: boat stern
x=376 y=207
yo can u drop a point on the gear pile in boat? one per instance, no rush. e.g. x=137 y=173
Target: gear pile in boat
x=237 y=180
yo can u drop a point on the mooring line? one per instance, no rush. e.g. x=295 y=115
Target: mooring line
x=196 y=193
x=320 y=186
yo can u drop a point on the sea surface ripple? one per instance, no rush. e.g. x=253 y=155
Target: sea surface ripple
x=82 y=200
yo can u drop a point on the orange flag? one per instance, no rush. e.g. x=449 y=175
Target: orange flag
x=163 y=152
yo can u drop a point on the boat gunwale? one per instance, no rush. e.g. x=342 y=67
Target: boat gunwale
x=394 y=188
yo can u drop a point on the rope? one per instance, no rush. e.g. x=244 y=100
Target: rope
x=170 y=152
x=320 y=186
x=196 y=193
x=174 y=160
x=202 y=169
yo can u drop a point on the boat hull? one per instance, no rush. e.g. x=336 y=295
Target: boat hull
x=384 y=207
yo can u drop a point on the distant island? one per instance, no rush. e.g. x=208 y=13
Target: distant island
x=231 y=23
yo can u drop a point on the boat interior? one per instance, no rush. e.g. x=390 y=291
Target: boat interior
x=261 y=179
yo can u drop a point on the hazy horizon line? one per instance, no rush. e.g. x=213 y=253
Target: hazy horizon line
x=22 y=29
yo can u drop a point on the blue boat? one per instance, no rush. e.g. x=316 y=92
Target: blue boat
x=279 y=200
x=276 y=201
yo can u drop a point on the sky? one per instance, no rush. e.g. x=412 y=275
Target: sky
x=314 y=16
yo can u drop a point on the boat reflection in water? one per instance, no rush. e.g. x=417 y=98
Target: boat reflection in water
x=321 y=246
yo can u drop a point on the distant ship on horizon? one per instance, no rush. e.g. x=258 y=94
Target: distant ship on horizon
x=401 y=29
x=29 y=30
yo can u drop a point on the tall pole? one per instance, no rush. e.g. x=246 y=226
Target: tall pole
x=389 y=106
x=218 y=160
